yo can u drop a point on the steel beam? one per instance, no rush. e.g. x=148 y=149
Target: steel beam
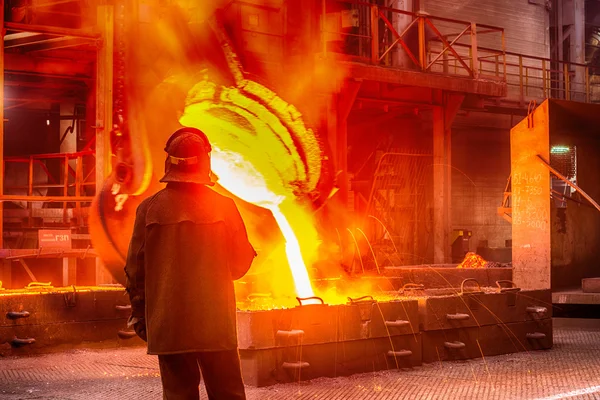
x=442 y=175
x=26 y=64
x=2 y=67
x=52 y=30
x=104 y=106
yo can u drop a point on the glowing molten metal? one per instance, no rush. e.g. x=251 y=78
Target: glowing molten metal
x=264 y=154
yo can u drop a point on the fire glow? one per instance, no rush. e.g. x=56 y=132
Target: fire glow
x=262 y=164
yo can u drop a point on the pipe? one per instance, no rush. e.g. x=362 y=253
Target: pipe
x=568 y=182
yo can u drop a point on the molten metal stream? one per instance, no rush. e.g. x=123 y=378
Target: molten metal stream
x=294 y=255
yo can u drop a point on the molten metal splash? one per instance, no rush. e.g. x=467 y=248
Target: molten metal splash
x=473 y=260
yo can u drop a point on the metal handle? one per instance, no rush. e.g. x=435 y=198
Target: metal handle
x=123 y=308
x=397 y=323
x=126 y=334
x=462 y=286
x=39 y=284
x=512 y=288
x=413 y=286
x=456 y=345
x=369 y=299
x=401 y=353
x=457 y=317
x=295 y=365
x=21 y=342
x=536 y=310
x=17 y=314
x=536 y=335
x=294 y=333
x=255 y=296
x=307 y=299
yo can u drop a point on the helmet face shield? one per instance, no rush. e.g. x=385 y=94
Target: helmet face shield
x=188 y=158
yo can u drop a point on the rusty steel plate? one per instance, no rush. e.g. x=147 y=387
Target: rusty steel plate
x=37 y=339
x=490 y=340
x=264 y=367
x=481 y=309
x=22 y=308
x=365 y=320
x=317 y=324
x=447 y=277
x=311 y=324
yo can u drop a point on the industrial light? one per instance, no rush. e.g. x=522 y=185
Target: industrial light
x=48 y=122
x=560 y=149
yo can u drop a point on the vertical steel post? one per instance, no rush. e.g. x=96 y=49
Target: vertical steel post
x=587 y=85
x=422 y=49
x=3 y=30
x=65 y=187
x=521 y=91
x=440 y=233
x=374 y=34
x=474 y=55
x=545 y=79
x=104 y=105
x=567 y=81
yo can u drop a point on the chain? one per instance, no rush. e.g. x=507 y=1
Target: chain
x=119 y=105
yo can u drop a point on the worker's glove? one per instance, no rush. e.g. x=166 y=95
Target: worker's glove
x=140 y=329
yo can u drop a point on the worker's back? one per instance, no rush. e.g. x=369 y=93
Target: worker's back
x=196 y=245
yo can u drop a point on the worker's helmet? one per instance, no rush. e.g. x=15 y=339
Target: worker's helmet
x=188 y=157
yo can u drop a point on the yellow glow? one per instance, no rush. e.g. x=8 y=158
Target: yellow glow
x=263 y=154
x=294 y=255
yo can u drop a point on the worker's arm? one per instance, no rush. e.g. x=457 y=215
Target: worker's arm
x=134 y=268
x=241 y=253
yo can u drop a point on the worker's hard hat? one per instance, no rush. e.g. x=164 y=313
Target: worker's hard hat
x=188 y=157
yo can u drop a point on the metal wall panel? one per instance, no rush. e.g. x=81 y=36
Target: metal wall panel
x=525 y=24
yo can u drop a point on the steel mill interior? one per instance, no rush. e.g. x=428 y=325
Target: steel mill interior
x=420 y=180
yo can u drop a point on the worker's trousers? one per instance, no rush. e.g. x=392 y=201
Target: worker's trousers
x=180 y=375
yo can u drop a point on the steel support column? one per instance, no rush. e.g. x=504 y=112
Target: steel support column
x=338 y=132
x=531 y=200
x=104 y=105
x=578 y=86
x=3 y=31
x=443 y=116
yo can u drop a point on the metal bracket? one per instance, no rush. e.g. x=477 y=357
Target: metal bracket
x=456 y=345
x=22 y=342
x=457 y=317
x=126 y=334
x=536 y=335
x=71 y=298
x=397 y=324
x=17 y=314
x=400 y=353
x=309 y=300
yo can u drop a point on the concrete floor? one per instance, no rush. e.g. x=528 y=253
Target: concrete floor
x=570 y=370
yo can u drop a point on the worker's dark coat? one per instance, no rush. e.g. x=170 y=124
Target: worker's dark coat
x=188 y=246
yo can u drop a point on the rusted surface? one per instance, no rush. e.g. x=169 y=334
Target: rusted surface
x=530 y=200
x=444 y=277
x=266 y=367
x=62 y=336
x=318 y=324
x=62 y=305
x=490 y=340
x=590 y=285
x=489 y=308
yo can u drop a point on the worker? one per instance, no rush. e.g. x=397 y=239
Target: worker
x=189 y=244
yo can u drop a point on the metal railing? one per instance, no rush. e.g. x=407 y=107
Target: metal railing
x=71 y=182
x=397 y=38
x=385 y=36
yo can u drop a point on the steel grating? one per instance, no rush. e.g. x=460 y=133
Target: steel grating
x=569 y=368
